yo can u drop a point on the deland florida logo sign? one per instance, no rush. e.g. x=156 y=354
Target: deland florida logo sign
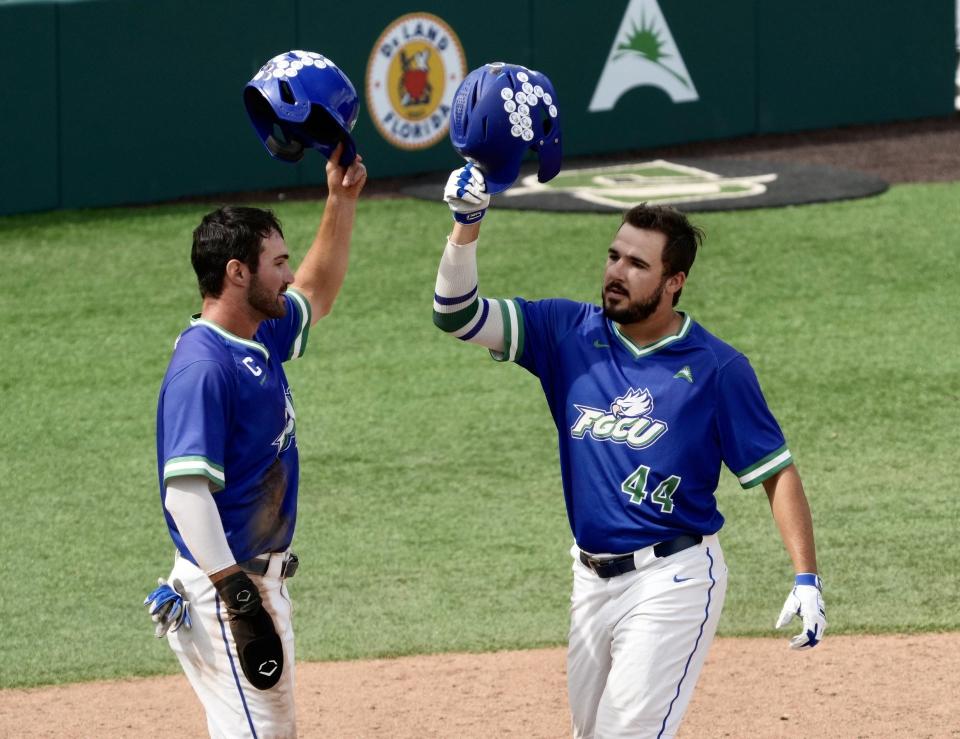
x=414 y=69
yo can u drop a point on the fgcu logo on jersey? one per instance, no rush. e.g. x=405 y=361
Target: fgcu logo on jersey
x=627 y=422
x=415 y=68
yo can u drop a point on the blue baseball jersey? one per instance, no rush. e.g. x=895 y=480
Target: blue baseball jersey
x=643 y=430
x=225 y=412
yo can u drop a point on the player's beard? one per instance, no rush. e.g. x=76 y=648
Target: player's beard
x=270 y=304
x=636 y=310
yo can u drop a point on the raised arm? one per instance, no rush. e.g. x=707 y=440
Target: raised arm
x=463 y=234
x=458 y=308
x=321 y=273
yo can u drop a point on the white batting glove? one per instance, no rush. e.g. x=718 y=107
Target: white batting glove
x=168 y=608
x=466 y=194
x=805 y=601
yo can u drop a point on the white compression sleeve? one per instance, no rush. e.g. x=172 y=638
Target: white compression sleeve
x=458 y=308
x=193 y=510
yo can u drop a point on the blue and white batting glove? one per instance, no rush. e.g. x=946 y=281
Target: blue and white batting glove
x=466 y=194
x=167 y=608
x=805 y=601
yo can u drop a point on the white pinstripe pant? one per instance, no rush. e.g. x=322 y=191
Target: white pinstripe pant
x=639 y=640
x=208 y=656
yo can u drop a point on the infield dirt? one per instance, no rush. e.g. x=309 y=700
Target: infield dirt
x=865 y=686
x=849 y=686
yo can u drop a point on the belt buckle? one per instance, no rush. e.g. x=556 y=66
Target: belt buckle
x=591 y=562
x=290 y=565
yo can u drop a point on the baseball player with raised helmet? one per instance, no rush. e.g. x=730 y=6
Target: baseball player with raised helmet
x=648 y=405
x=227 y=451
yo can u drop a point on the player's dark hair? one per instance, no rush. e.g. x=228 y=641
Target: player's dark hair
x=683 y=237
x=231 y=232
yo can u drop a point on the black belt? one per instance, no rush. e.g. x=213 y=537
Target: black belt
x=260 y=566
x=613 y=566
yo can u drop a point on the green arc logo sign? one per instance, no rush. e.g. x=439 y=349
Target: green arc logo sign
x=643 y=54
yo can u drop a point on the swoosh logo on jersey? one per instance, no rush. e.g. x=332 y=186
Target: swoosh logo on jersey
x=598 y=345
x=685 y=374
x=681 y=579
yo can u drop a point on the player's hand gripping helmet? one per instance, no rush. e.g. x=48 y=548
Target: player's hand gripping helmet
x=501 y=110
x=309 y=99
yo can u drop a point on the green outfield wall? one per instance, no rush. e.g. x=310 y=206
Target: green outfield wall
x=117 y=101
x=29 y=111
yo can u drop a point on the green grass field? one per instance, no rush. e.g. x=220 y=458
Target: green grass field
x=431 y=512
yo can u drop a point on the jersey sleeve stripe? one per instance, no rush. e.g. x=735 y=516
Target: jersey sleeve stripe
x=184 y=466
x=516 y=329
x=306 y=316
x=512 y=332
x=503 y=356
x=765 y=468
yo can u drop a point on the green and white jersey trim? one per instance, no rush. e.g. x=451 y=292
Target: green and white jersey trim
x=299 y=343
x=643 y=351
x=512 y=332
x=765 y=468
x=184 y=466
x=306 y=318
x=255 y=345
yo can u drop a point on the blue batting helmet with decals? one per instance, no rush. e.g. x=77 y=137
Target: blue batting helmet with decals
x=309 y=99
x=499 y=112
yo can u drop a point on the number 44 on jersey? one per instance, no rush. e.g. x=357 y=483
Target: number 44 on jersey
x=636 y=487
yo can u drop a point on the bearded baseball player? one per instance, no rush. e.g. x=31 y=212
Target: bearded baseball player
x=648 y=405
x=227 y=457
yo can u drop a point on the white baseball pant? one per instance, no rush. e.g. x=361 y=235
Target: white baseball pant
x=639 y=640
x=208 y=656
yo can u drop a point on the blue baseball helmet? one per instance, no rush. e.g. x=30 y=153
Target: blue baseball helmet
x=309 y=99
x=499 y=112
